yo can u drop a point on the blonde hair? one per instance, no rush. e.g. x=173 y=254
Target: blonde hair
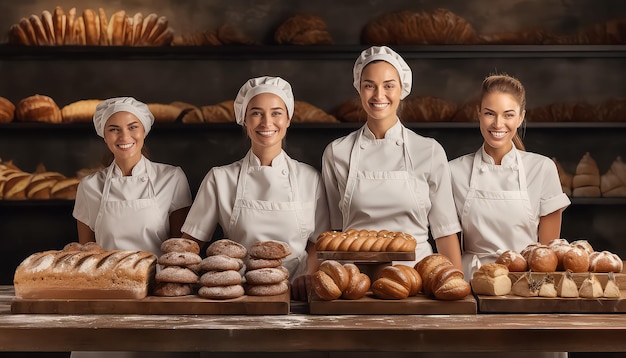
x=503 y=83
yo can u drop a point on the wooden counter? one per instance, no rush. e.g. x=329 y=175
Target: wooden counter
x=299 y=332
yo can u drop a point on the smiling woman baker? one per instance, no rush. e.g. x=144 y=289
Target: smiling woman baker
x=506 y=198
x=266 y=195
x=133 y=204
x=385 y=176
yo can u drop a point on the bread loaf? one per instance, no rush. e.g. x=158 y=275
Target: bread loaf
x=270 y=250
x=307 y=113
x=227 y=247
x=427 y=109
x=542 y=259
x=189 y=113
x=513 y=261
x=303 y=29
x=38 y=108
x=164 y=112
x=330 y=280
x=79 y=111
x=440 y=279
x=85 y=274
x=65 y=189
x=392 y=284
x=351 y=111
x=560 y=248
x=491 y=279
x=221 y=112
x=358 y=283
x=605 y=261
x=576 y=259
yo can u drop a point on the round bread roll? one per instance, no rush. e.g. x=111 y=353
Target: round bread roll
x=526 y=251
x=221 y=293
x=38 y=108
x=180 y=245
x=176 y=274
x=560 y=250
x=270 y=250
x=221 y=263
x=584 y=244
x=542 y=259
x=358 y=283
x=576 y=259
x=513 y=260
x=7 y=110
x=268 y=290
x=324 y=286
x=265 y=276
x=436 y=277
x=220 y=278
x=392 y=284
x=92 y=246
x=179 y=259
x=227 y=247
x=255 y=264
x=172 y=289
x=605 y=261
x=337 y=272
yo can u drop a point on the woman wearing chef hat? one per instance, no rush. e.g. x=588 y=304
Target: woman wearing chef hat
x=266 y=195
x=506 y=198
x=133 y=204
x=385 y=176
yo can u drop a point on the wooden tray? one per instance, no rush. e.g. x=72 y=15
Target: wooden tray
x=192 y=304
x=372 y=305
x=579 y=277
x=518 y=304
x=366 y=256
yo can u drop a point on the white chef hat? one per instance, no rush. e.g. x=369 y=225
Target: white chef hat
x=265 y=84
x=108 y=107
x=383 y=53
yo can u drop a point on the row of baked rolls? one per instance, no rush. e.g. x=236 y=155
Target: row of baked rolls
x=440 y=279
x=16 y=184
x=559 y=255
x=608 y=110
x=265 y=275
x=93 y=28
x=365 y=241
x=334 y=280
x=221 y=278
x=175 y=276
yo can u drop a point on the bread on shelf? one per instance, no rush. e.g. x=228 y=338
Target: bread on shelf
x=79 y=111
x=613 y=182
x=7 y=110
x=586 y=181
x=38 y=108
x=303 y=29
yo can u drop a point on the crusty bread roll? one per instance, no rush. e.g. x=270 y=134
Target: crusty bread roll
x=303 y=29
x=586 y=182
x=358 y=283
x=220 y=278
x=560 y=248
x=80 y=111
x=613 y=182
x=220 y=263
x=179 y=259
x=65 y=189
x=330 y=280
x=428 y=263
x=392 y=284
x=38 y=108
x=15 y=185
x=164 y=112
x=221 y=112
x=85 y=274
x=7 y=110
x=513 y=261
x=584 y=244
x=270 y=250
x=266 y=276
x=542 y=259
x=491 y=279
x=605 y=261
x=221 y=292
x=227 y=247
x=176 y=274
x=438 y=27
x=414 y=278
x=41 y=184
x=306 y=112
x=180 y=245
x=441 y=279
x=172 y=289
x=268 y=290
x=576 y=259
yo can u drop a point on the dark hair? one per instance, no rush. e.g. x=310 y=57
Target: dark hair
x=503 y=83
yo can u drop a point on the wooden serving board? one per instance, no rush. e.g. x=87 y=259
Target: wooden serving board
x=366 y=256
x=518 y=304
x=191 y=304
x=371 y=305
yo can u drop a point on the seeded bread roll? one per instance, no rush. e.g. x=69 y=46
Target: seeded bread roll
x=266 y=276
x=38 y=108
x=227 y=247
x=220 y=278
x=172 y=289
x=270 y=250
x=176 y=274
x=180 y=245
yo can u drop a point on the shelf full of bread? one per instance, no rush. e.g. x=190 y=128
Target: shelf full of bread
x=226 y=278
x=358 y=275
x=438 y=33
x=560 y=277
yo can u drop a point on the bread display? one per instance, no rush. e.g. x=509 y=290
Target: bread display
x=85 y=272
x=613 y=182
x=79 y=111
x=267 y=280
x=491 y=279
x=38 y=108
x=586 y=181
x=176 y=275
x=439 y=27
x=91 y=28
x=303 y=29
x=440 y=279
x=7 y=110
x=223 y=35
x=334 y=280
x=365 y=241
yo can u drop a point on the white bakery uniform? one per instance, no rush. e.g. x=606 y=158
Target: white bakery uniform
x=251 y=202
x=500 y=205
x=132 y=213
x=398 y=183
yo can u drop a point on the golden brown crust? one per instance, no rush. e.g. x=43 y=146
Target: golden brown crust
x=324 y=286
x=189 y=113
x=7 y=110
x=576 y=259
x=70 y=28
x=59 y=22
x=65 y=189
x=79 y=32
x=303 y=29
x=17 y=36
x=148 y=24
x=80 y=111
x=392 y=283
x=38 y=108
x=221 y=112
x=92 y=27
x=15 y=186
x=351 y=111
x=306 y=112
x=180 y=245
x=103 y=39
x=137 y=22
x=46 y=20
x=40 y=32
x=605 y=261
x=116 y=28
x=542 y=259
x=27 y=26
x=164 y=112
x=513 y=261
x=358 y=283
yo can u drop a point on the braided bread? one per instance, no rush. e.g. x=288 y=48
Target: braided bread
x=397 y=282
x=334 y=280
x=364 y=241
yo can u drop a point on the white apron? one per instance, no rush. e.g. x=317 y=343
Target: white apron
x=385 y=200
x=131 y=225
x=258 y=220
x=495 y=221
